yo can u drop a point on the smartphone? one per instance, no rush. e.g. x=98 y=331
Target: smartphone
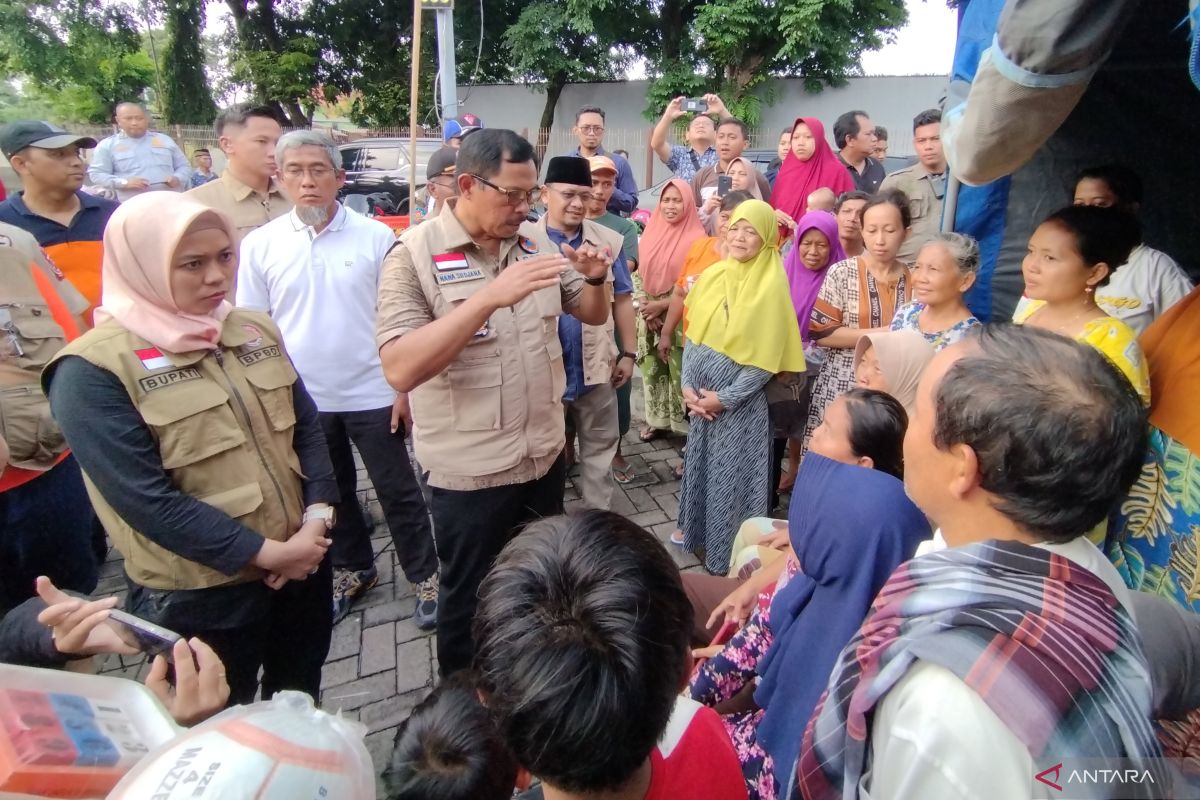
x=724 y=184
x=150 y=638
x=695 y=105
x=722 y=638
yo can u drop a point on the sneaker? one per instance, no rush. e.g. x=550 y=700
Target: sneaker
x=427 y=603
x=348 y=586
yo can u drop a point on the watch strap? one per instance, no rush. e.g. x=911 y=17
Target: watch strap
x=627 y=354
x=596 y=281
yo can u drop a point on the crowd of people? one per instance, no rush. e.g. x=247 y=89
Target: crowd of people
x=988 y=561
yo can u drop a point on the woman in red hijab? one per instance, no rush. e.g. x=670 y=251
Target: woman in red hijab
x=810 y=165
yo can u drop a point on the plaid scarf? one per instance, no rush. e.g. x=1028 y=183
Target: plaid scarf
x=1044 y=643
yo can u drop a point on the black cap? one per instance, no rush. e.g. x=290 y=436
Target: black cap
x=441 y=163
x=33 y=133
x=574 y=170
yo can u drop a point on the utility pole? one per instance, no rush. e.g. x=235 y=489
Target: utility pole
x=446 y=71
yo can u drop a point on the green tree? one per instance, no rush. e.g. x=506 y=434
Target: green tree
x=275 y=56
x=556 y=42
x=81 y=57
x=734 y=47
x=188 y=97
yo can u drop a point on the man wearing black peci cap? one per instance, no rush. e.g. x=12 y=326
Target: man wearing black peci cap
x=439 y=180
x=67 y=223
x=594 y=368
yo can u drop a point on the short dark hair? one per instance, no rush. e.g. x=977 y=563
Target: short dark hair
x=1105 y=235
x=847 y=126
x=877 y=426
x=449 y=749
x=889 y=197
x=485 y=152
x=881 y=133
x=240 y=114
x=927 y=117
x=1121 y=180
x=589 y=110
x=1060 y=433
x=734 y=199
x=742 y=126
x=201 y=151
x=846 y=197
x=789 y=130
x=582 y=635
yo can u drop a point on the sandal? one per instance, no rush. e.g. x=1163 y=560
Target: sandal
x=678 y=542
x=649 y=434
x=624 y=475
x=678 y=472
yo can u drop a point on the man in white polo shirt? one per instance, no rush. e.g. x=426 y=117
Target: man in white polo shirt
x=316 y=271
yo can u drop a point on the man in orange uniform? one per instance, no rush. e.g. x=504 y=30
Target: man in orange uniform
x=67 y=223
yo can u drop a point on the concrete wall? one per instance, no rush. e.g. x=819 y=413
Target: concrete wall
x=891 y=102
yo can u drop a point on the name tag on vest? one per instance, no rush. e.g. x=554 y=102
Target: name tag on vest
x=461 y=276
x=164 y=379
x=255 y=356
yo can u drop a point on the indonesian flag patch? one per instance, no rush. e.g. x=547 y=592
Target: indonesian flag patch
x=451 y=262
x=152 y=358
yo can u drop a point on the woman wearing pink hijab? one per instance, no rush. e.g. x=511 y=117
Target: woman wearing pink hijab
x=673 y=229
x=810 y=165
x=201 y=449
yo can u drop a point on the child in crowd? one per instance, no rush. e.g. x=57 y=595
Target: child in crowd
x=582 y=649
x=449 y=749
x=822 y=199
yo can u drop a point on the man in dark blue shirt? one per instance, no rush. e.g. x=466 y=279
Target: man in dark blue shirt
x=589 y=130
x=593 y=374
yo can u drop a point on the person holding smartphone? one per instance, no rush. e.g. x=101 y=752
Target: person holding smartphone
x=201 y=449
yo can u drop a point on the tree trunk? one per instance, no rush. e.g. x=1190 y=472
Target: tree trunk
x=554 y=90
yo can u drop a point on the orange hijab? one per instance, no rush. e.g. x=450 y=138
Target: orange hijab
x=1172 y=348
x=664 y=245
x=139 y=244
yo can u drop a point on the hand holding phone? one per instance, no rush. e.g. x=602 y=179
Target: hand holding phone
x=695 y=105
x=151 y=639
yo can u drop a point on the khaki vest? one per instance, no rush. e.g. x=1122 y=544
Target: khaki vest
x=599 y=344
x=29 y=339
x=499 y=403
x=224 y=431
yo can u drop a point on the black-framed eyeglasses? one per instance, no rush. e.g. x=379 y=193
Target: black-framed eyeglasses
x=515 y=196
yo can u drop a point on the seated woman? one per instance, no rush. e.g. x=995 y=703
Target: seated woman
x=843 y=553
x=944 y=271
x=741 y=331
x=1013 y=650
x=1070 y=256
x=202 y=450
x=893 y=362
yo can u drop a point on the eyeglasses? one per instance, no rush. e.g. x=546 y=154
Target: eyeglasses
x=571 y=197
x=316 y=173
x=515 y=196
x=592 y=128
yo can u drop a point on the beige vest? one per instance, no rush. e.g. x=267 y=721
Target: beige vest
x=29 y=339
x=599 y=344
x=499 y=403
x=224 y=431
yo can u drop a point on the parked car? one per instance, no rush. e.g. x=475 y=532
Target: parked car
x=381 y=165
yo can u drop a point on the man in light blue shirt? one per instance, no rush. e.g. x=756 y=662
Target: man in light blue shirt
x=138 y=159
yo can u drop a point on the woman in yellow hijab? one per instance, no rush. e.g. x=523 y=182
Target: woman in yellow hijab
x=742 y=330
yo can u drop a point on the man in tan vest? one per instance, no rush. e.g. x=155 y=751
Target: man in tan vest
x=594 y=368
x=45 y=515
x=469 y=304
x=247 y=190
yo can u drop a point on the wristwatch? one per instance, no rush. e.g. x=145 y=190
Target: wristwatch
x=325 y=514
x=596 y=281
x=631 y=356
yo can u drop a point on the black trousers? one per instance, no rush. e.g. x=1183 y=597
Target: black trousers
x=473 y=528
x=386 y=459
x=286 y=634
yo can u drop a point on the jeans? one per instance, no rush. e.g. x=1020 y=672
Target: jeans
x=386 y=459
x=46 y=529
x=473 y=527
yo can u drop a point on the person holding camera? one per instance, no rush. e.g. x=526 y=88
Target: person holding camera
x=698 y=150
